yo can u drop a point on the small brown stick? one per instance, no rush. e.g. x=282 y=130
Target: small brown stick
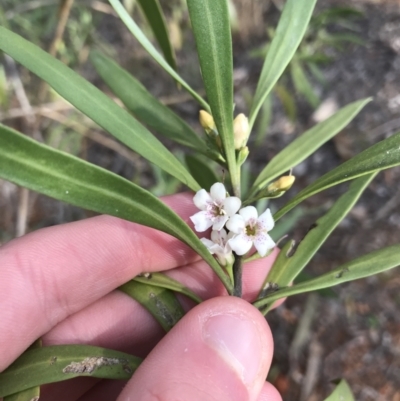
x=29 y=117
x=23 y=212
x=313 y=370
x=93 y=135
x=63 y=14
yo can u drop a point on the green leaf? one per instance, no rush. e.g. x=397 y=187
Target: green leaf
x=289 y=33
x=201 y=170
x=288 y=101
x=302 y=84
x=160 y=302
x=316 y=72
x=264 y=121
x=163 y=281
x=139 y=35
x=342 y=392
x=67 y=178
x=290 y=262
x=30 y=394
x=383 y=155
x=153 y=12
x=306 y=144
x=94 y=103
x=146 y=108
x=210 y=23
x=61 y=362
x=364 y=266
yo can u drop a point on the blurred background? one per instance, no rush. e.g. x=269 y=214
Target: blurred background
x=351 y=51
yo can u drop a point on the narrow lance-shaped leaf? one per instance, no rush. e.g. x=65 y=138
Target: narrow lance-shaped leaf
x=211 y=28
x=163 y=281
x=302 y=84
x=94 y=103
x=288 y=101
x=201 y=171
x=307 y=143
x=290 y=263
x=140 y=36
x=289 y=33
x=155 y=17
x=67 y=178
x=160 y=302
x=364 y=266
x=342 y=392
x=62 y=362
x=383 y=155
x=144 y=105
x=30 y=394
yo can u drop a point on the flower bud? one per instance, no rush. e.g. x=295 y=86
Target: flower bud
x=282 y=184
x=242 y=156
x=206 y=121
x=240 y=131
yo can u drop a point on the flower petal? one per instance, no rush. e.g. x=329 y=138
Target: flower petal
x=202 y=199
x=219 y=222
x=208 y=243
x=201 y=222
x=248 y=213
x=241 y=244
x=218 y=191
x=236 y=224
x=219 y=237
x=263 y=243
x=266 y=220
x=232 y=205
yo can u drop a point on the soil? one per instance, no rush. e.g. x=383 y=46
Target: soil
x=350 y=332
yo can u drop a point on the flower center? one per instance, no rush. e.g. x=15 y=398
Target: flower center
x=251 y=230
x=217 y=210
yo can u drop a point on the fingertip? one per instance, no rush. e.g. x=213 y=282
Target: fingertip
x=221 y=350
x=269 y=393
x=255 y=273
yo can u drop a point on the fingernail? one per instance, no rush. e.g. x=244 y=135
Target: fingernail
x=238 y=341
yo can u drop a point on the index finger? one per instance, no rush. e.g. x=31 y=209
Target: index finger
x=54 y=272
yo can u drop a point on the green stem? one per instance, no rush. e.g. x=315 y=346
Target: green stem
x=235 y=177
x=237 y=277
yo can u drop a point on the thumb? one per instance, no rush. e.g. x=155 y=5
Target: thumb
x=221 y=350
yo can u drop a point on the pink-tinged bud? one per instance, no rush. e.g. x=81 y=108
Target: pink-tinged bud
x=240 y=131
x=206 y=121
x=282 y=184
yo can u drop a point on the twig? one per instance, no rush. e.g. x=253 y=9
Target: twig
x=93 y=135
x=313 y=369
x=23 y=212
x=302 y=336
x=19 y=112
x=33 y=5
x=26 y=108
x=29 y=117
x=64 y=11
x=388 y=126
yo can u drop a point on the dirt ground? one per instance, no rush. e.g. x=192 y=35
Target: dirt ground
x=353 y=331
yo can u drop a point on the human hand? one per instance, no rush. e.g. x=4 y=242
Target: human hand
x=59 y=283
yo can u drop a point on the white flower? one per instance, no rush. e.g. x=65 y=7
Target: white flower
x=219 y=245
x=249 y=229
x=215 y=208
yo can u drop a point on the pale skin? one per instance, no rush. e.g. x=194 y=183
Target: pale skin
x=59 y=283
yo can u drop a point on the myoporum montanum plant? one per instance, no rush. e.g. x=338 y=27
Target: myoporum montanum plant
x=233 y=231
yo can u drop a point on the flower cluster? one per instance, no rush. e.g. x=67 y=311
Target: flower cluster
x=219 y=211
